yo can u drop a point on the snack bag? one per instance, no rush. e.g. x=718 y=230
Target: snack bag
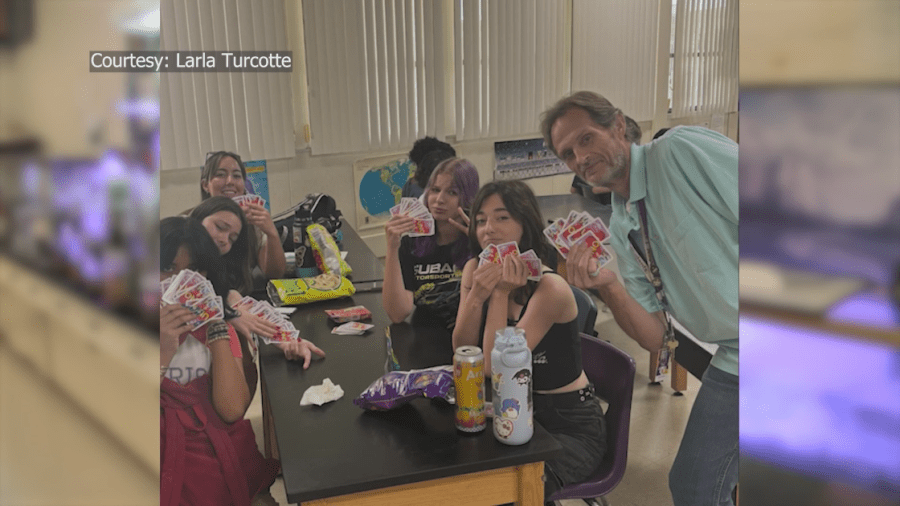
x=397 y=388
x=325 y=250
x=306 y=290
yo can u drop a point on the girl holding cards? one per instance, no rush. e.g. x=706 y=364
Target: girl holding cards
x=208 y=450
x=424 y=271
x=227 y=224
x=498 y=293
x=225 y=174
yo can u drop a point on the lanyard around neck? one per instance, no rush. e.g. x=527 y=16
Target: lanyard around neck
x=651 y=271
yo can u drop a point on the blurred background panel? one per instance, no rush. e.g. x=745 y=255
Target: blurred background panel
x=79 y=207
x=820 y=252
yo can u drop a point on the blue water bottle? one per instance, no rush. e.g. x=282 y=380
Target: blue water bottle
x=511 y=382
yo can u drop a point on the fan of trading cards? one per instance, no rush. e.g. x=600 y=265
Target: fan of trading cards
x=414 y=208
x=580 y=227
x=194 y=292
x=495 y=253
x=285 y=331
x=249 y=198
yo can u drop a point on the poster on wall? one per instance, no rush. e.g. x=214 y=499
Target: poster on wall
x=258 y=180
x=378 y=183
x=524 y=159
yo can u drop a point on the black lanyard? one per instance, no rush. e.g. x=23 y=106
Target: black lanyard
x=651 y=271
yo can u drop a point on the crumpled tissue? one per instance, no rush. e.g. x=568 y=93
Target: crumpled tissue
x=320 y=394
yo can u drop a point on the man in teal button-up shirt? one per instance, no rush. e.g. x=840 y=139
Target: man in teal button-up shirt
x=687 y=180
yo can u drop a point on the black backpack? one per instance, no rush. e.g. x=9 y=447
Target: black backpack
x=315 y=208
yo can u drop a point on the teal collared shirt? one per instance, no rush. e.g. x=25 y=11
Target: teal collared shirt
x=688 y=179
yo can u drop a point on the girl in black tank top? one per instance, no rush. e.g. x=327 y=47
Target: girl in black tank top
x=494 y=295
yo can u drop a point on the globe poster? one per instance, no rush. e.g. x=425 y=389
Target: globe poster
x=378 y=183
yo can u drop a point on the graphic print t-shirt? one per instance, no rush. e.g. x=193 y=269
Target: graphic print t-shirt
x=193 y=359
x=434 y=282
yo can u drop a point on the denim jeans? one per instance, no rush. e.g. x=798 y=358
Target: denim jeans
x=706 y=468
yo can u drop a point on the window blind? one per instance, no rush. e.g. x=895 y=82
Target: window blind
x=706 y=58
x=248 y=113
x=375 y=73
x=511 y=63
x=614 y=48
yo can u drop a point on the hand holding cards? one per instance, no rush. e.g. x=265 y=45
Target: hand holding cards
x=580 y=227
x=422 y=218
x=249 y=198
x=194 y=292
x=285 y=329
x=496 y=254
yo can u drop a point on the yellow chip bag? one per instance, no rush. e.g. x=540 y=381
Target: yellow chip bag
x=306 y=290
x=326 y=252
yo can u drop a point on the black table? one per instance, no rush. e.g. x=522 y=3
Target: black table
x=339 y=449
x=368 y=271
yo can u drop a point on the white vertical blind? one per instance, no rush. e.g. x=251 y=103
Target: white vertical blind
x=706 y=58
x=248 y=113
x=374 y=71
x=507 y=64
x=614 y=48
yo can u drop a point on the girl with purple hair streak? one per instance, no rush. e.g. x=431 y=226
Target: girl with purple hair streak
x=424 y=272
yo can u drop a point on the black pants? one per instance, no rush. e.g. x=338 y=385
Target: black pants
x=579 y=427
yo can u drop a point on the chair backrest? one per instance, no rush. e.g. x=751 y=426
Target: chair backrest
x=587 y=311
x=611 y=370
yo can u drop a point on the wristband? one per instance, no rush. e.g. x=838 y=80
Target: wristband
x=216 y=331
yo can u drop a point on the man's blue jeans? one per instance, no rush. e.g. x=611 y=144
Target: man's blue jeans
x=706 y=468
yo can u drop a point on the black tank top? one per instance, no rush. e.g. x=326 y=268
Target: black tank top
x=556 y=360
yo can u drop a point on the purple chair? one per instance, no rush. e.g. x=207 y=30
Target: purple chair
x=611 y=370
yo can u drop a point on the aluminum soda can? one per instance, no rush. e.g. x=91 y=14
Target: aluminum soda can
x=468 y=377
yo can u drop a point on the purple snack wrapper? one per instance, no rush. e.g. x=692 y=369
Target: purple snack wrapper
x=397 y=388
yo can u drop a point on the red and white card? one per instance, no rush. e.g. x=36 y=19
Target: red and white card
x=602 y=255
x=352 y=328
x=414 y=208
x=533 y=264
x=285 y=331
x=193 y=291
x=565 y=233
x=249 y=198
x=496 y=254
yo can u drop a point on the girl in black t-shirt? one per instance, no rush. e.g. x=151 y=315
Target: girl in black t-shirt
x=425 y=271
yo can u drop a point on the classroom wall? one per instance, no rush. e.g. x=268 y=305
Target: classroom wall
x=46 y=89
x=290 y=180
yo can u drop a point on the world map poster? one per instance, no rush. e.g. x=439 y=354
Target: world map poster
x=378 y=183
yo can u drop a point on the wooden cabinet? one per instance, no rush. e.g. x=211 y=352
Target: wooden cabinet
x=25 y=316
x=104 y=364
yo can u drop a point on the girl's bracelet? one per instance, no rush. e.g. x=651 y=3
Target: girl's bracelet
x=215 y=338
x=216 y=331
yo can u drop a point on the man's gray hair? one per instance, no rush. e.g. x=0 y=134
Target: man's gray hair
x=601 y=111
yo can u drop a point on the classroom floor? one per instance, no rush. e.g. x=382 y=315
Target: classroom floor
x=51 y=453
